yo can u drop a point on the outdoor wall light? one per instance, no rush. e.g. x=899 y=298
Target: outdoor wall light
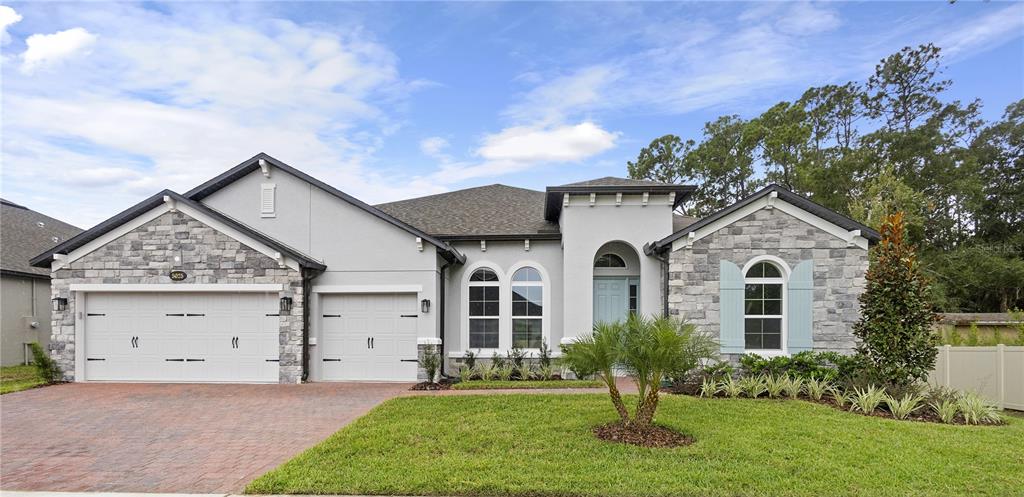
x=425 y=305
x=286 y=304
x=59 y=303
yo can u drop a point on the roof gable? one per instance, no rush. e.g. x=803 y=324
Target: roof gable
x=610 y=184
x=771 y=191
x=231 y=175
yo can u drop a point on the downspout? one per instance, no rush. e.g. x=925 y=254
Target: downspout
x=307 y=286
x=653 y=250
x=440 y=313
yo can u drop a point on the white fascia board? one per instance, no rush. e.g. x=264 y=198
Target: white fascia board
x=110 y=236
x=176 y=287
x=368 y=289
x=156 y=212
x=777 y=203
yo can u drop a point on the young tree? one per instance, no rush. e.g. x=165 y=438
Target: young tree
x=663 y=160
x=895 y=327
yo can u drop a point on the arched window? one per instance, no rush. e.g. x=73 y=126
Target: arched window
x=527 y=308
x=609 y=260
x=484 y=306
x=763 y=309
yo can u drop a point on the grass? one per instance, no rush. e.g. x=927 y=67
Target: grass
x=517 y=384
x=18 y=378
x=541 y=445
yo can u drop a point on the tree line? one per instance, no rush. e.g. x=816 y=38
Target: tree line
x=867 y=149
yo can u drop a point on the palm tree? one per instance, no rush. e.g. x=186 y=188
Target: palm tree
x=597 y=354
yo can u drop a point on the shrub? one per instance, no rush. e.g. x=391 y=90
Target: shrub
x=465 y=374
x=709 y=387
x=774 y=386
x=895 y=328
x=516 y=356
x=753 y=386
x=977 y=410
x=497 y=361
x=469 y=359
x=792 y=387
x=904 y=406
x=504 y=373
x=816 y=388
x=945 y=409
x=431 y=363
x=867 y=400
x=485 y=371
x=839 y=396
x=649 y=350
x=718 y=371
x=731 y=387
x=805 y=365
x=546 y=372
x=47 y=369
x=544 y=355
x=524 y=371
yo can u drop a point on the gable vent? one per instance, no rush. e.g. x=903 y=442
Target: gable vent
x=267 y=200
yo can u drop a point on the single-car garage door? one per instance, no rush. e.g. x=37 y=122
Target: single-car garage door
x=368 y=337
x=181 y=337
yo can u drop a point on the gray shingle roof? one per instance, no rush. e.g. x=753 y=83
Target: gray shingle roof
x=615 y=181
x=22 y=237
x=492 y=211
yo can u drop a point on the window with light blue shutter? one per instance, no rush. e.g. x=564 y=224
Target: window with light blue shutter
x=801 y=315
x=730 y=281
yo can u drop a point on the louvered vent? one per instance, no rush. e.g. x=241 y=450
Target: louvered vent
x=267 y=200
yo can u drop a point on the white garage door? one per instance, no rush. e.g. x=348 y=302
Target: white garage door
x=368 y=337
x=181 y=337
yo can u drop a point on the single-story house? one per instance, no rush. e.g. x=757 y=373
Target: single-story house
x=266 y=274
x=25 y=289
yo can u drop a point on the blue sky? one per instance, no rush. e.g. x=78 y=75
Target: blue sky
x=107 y=103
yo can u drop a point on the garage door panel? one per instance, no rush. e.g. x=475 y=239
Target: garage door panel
x=182 y=337
x=365 y=337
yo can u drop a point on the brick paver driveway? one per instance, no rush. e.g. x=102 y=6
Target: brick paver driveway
x=167 y=438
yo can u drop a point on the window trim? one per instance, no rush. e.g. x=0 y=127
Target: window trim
x=469 y=318
x=783 y=350
x=543 y=308
x=611 y=254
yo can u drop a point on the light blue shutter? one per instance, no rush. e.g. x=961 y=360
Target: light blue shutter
x=801 y=300
x=730 y=281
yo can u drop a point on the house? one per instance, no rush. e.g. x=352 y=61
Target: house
x=266 y=274
x=24 y=289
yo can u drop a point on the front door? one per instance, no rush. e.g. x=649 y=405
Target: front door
x=611 y=299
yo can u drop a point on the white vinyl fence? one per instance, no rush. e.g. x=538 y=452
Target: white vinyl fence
x=996 y=373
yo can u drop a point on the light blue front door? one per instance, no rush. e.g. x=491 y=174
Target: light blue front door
x=611 y=299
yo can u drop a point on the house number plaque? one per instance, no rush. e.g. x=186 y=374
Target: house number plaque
x=178 y=275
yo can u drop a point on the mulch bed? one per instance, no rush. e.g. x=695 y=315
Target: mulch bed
x=428 y=385
x=655 y=436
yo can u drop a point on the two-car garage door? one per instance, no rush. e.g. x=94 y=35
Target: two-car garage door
x=182 y=337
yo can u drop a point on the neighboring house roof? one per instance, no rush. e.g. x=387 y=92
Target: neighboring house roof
x=44 y=259
x=680 y=221
x=783 y=194
x=609 y=184
x=25 y=233
x=979 y=318
x=231 y=175
x=485 y=212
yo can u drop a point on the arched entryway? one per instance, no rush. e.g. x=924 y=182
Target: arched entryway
x=616 y=282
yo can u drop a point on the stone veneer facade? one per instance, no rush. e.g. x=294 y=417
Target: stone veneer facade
x=838 y=273
x=146 y=255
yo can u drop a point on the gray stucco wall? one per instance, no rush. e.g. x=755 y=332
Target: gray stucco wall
x=23 y=301
x=146 y=255
x=838 y=272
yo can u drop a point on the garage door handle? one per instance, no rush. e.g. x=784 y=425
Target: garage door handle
x=95 y=359
x=409 y=360
x=175 y=360
x=410 y=315
x=273 y=360
x=180 y=315
x=195 y=360
x=95 y=314
x=332 y=315
x=192 y=315
x=332 y=360
x=275 y=314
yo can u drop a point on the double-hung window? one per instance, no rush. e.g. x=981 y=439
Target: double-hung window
x=527 y=308
x=484 y=307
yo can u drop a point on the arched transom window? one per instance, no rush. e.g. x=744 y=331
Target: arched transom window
x=763 y=309
x=609 y=260
x=484 y=307
x=527 y=308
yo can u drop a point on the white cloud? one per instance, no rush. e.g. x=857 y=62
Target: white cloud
x=563 y=95
x=44 y=50
x=804 y=18
x=8 y=16
x=984 y=33
x=434 y=146
x=519 y=148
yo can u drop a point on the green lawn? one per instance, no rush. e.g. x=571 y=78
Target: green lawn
x=18 y=378
x=516 y=384
x=541 y=445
